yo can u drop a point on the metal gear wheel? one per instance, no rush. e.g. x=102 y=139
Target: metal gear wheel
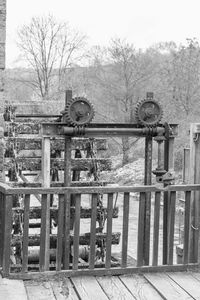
x=79 y=111
x=148 y=112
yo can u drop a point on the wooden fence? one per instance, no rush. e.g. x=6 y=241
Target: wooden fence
x=67 y=258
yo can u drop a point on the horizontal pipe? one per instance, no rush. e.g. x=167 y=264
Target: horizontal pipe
x=88 y=132
x=37 y=116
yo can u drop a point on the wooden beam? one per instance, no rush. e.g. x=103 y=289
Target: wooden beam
x=84 y=239
x=101 y=272
x=194 y=177
x=85 y=213
x=30 y=142
x=79 y=164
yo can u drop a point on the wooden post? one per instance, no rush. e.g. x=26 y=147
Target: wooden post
x=45 y=206
x=8 y=204
x=168 y=166
x=186 y=165
x=194 y=177
x=147 y=181
x=67 y=182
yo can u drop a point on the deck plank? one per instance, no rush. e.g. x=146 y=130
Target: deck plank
x=63 y=289
x=88 y=288
x=114 y=288
x=187 y=282
x=12 y=289
x=166 y=286
x=40 y=290
x=139 y=287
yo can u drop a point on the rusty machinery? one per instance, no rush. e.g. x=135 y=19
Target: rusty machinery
x=79 y=112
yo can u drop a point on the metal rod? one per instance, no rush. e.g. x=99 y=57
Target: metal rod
x=71 y=131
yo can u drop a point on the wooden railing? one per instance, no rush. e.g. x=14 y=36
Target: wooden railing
x=67 y=258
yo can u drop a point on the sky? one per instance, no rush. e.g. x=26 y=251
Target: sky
x=141 y=22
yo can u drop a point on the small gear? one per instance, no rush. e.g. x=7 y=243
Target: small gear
x=78 y=112
x=148 y=112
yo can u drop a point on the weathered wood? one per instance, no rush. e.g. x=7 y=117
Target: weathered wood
x=2 y=224
x=125 y=229
x=67 y=197
x=187 y=282
x=85 y=212
x=59 y=183
x=147 y=181
x=76 y=231
x=25 y=234
x=44 y=236
x=102 y=271
x=12 y=289
x=186 y=227
x=63 y=289
x=6 y=189
x=109 y=230
x=60 y=221
x=172 y=207
x=113 y=286
x=139 y=287
x=39 y=290
x=88 y=288
x=28 y=142
x=167 y=288
x=93 y=231
x=156 y=228
x=79 y=164
x=84 y=239
x=7 y=233
x=194 y=178
x=140 y=238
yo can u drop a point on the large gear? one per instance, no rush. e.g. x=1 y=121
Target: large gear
x=79 y=111
x=148 y=112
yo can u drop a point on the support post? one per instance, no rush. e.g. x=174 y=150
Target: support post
x=194 y=177
x=45 y=206
x=147 y=181
x=168 y=166
x=67 y=196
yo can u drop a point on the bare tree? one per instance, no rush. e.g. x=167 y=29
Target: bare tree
x=120 y=72
x=49 y=47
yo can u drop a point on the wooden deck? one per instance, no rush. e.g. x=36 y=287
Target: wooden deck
x=171 y=286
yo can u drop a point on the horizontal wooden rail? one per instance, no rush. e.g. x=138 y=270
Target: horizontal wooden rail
x=6 y=189
x=80 y=164
x=34 y=142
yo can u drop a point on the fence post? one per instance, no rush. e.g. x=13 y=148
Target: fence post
x=7 y=228
x=45 y=206
x=168 y=166
x=194 y=177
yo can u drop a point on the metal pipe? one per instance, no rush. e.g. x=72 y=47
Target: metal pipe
x=88 y=132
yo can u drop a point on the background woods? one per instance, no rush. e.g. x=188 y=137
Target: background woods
x=114 y=78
